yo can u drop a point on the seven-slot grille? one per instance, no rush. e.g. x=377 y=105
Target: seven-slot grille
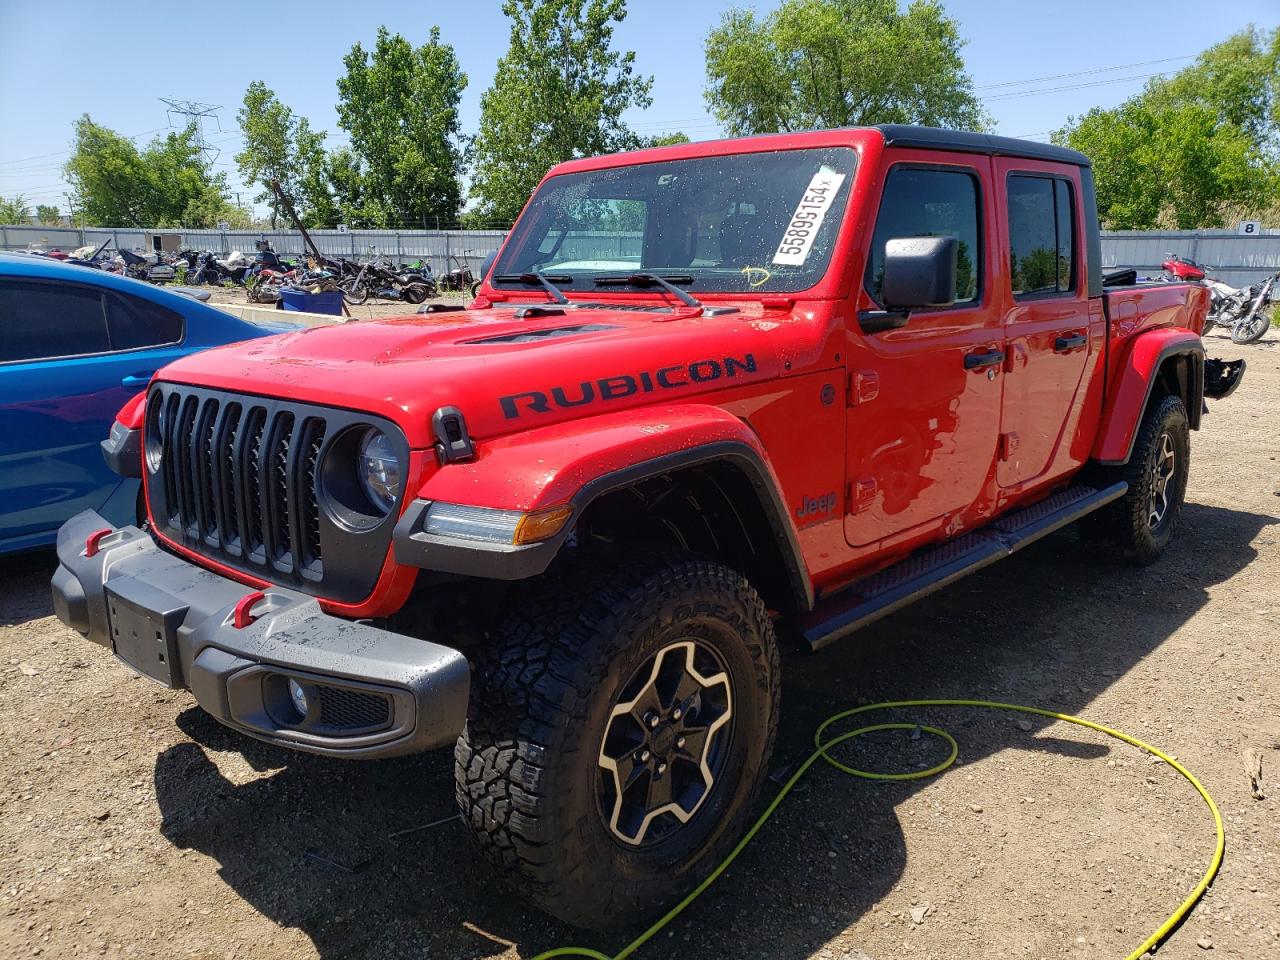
x=238 y=480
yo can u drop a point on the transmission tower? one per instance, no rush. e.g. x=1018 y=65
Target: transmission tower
x=196 y=114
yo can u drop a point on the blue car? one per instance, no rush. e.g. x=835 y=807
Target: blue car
x=75 y=345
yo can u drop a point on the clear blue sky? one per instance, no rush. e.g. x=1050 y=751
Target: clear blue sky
x=113 y=61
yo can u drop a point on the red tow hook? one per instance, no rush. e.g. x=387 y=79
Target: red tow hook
x=92 y=541
x=242 y=617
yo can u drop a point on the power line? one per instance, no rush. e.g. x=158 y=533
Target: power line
x=1073 y=86
x=1084 y=73
x=59 y=153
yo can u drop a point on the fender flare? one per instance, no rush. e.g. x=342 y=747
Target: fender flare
x=577 y=462
x=1134 y=384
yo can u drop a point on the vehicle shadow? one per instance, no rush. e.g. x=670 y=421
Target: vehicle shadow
x=24 y=586
x=313 y=844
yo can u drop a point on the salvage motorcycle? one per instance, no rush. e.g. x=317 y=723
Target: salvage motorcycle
x=1246 y=310
x=148 y=267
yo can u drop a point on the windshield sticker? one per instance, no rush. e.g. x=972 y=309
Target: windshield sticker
x=797 y=241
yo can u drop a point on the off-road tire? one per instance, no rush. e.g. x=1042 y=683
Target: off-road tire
x=1123 y=527
x=526 y=765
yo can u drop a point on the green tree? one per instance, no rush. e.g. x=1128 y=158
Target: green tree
x=116 y=184
x=837 y=63
x=559 y=93
x=315 y=194
x=1193 y=149
x=399 y=103
x=210 y=208
x=279 y=145
x=345 y=178
x=14 y=210
x=48 y=215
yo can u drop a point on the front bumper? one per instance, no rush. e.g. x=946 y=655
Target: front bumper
x=369 y=692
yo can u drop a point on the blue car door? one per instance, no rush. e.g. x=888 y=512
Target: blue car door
x=70 y=356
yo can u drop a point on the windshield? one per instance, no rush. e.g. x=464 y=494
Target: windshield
x=763 y=222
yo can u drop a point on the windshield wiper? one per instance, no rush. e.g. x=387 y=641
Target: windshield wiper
x=667 y=283
x=548 y=283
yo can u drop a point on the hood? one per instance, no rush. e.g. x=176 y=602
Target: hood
x=505 y=372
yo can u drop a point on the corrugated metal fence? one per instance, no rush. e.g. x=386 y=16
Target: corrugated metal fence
x=1231 y=257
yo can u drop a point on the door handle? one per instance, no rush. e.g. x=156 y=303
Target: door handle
x=1073 y=341
x=139 y=379
x=982 y=359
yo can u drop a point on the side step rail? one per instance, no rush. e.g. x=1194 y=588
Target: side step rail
x=932 y=569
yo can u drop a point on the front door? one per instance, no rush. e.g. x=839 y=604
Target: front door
x=925 y=397
x=1047 y=326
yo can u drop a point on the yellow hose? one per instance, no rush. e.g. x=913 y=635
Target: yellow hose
x=821 y=751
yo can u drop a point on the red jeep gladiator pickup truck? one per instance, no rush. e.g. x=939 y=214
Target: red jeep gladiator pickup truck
x=711 y=398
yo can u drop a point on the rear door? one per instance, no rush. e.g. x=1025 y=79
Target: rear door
x=71 y=355
x=925 y=397
x=1049 y=334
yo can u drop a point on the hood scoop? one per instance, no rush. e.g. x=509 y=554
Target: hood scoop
x=549 y=333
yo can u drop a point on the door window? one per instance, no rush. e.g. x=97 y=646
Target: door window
x=1041 y=236
x=135 y=323
x=927 y=202
x=43 y=321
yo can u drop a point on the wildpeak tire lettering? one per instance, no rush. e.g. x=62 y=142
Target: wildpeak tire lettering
x=625 y=385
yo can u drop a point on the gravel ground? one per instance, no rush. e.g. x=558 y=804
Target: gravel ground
x=369 y=310
x=131 y=825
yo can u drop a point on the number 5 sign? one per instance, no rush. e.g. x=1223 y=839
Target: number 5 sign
x=1249 y=228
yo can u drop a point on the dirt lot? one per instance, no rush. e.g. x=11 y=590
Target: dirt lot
x=365 y=311
x=131 y=825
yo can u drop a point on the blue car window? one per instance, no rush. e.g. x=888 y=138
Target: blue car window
x=135 y=323
x=43 y=321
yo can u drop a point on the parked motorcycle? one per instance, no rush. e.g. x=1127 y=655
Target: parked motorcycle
x=148 y=267
x=376 y=279
x=1182 y=269
x=459 y=275
x=1247 y=310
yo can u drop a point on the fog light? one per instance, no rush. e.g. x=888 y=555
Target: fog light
x=299 y=697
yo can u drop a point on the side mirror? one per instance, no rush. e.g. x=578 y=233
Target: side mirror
x=919 y=272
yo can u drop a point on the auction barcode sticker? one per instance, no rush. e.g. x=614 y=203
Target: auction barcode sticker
x=797 y=240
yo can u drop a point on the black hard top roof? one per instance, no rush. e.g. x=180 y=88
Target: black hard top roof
x=934 y=138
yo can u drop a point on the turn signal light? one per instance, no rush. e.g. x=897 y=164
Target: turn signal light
x=541 y=524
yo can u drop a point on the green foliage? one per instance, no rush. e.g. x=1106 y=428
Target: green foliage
x=836 y=63
x=667 y=139
x=116 y=184
x=345 y=177
x=14 y=210
x=559 y=93
x=399 y=103
x=206 y=210
x=1038 y=270
x=278 y=145
x=1198 y=149
x=48 y=215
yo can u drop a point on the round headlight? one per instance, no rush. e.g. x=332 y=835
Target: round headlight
x=153 y=444
x=378 y=468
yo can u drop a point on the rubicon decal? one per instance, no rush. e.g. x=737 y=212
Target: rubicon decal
x=626 y=385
